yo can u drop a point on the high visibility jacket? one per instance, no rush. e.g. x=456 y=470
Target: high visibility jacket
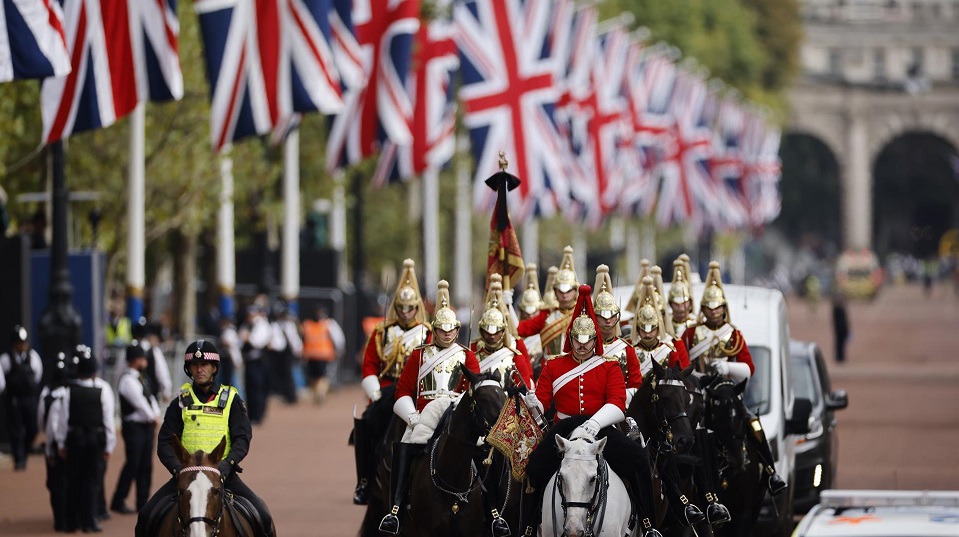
x=205 y=424
x=317 y=343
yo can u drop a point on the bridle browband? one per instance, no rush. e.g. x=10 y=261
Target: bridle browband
x=597 y=500
x=667 y=421
x=214 y=523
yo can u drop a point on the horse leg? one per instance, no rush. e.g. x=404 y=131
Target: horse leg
x=669 y=474
x=498 y=525
x=706 y=477
x=403 y=454
x=776 y=483
x=640 y=482
x=361 y=448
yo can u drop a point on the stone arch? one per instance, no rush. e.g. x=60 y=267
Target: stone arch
x=893 y=126
x=829 y=132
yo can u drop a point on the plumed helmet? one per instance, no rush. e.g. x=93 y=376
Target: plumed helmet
x=549 y=297
x=444 y=318
x=648 y=315
x=201 y=350
x=713 y=294
x=679 y=290
x=565 y=279
x=19 y=335
x=531 y=300
x=634 y=303
x=496 y=316
x=492 y=320
x=407 y=295
x=583 y=326
x=605 y=303
x=84 y=361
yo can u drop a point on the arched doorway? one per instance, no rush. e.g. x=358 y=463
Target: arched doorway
x=915 y=195
x=811 y=198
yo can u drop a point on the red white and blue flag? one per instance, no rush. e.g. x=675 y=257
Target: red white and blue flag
x=32 y=40
x=266 y=60
x=763 y=169
x=382 y=108
x=726 y=165
x=109 y=40
x=508 y=95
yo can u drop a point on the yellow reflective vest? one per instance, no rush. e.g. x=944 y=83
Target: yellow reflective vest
x=205 y=424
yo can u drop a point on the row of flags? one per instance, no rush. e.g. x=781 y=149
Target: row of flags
x=595 y=120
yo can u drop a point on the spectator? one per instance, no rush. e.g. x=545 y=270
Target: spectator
x=323 y=343
x=840 y=326
x=22 y=368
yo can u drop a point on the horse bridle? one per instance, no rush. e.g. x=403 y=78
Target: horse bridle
x=667 y=421
x=213 y=522
x=734 y=439
x=597 y=500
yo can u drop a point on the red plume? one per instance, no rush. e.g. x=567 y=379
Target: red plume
x=584 y=305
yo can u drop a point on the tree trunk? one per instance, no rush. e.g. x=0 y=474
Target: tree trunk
x=184 y=284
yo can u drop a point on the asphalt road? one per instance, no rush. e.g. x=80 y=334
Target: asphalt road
x=900 y=431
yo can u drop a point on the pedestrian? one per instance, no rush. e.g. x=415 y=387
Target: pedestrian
x=255 y=335
x=141 y=415
x=286 y=347
x=49 y=411
x=23 y=370
x=232 y=356
x=323 y=343
x=157 y=371
x=840 y=326
x=87 y=436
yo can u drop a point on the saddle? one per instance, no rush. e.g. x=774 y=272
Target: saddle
x=155 y=517
x=240 y=509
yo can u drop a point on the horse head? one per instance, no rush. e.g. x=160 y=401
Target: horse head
x=199 y=491
x=582 y=480
x=727 y=416
x=483 y=401
x=697 y=396
x=660 y=407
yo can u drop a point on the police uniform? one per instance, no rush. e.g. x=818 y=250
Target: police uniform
x=140 y=412
x=87 y=432
x=201 y=416
x=23 y=372
x=48 y=419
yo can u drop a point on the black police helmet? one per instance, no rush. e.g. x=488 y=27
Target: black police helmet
x=86 y=362
x=201 y=350
x=139 y=328
x=19 y=334
x=134 y=352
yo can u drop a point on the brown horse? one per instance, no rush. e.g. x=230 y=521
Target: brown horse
x=202 y=508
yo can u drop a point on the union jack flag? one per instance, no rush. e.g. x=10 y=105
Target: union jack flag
x=382 y=108
x=347 y=52
x=107 y=41
x=726 y=165
x=32 y=40
x=508 y=95
x=266 y=60
x=763 y=169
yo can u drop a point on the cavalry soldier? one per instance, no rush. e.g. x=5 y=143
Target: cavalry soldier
x=23 y=370
x=86 y=435
x=530 y=302
x=498 y=348
x=48 y=418
x=387 y=350
x=681 y=305
x=615 y=348
x=650 y=334
x=141 y=414
x=589 y=394
x=719 y=347
x=433 y=371
x=201 y=416
x=551 y=322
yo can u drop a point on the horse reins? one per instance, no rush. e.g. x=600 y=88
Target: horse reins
x=596 y=501
x=214 y=523
x=667 y=421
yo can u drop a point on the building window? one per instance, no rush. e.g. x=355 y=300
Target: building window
x=835 y=62
x=955 y=64
x=879 y=64
x=916 y=67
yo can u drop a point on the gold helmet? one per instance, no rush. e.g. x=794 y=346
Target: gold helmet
x=565 y=279
x=583 y=327
x=407 y=295
x=549 y=297
x=664 y=311
x=713 y=295
x=531 y=300
x=496 y=316
x=679 y=290
x=648 y=315
x=634 y=303
x=605 y=302
x=444 y=318
x=687 y=267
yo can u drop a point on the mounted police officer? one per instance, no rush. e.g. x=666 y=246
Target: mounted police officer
x=202 y=415
x=719 y=347
x=23 y=370
x=86 y=434
x=389 y=346
x=433 y=371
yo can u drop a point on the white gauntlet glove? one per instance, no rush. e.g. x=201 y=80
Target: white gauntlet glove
x=736 y=371
x=405 y=408
x=587 y=430
x=532 y=401
x=371 y=385
x=720 y=367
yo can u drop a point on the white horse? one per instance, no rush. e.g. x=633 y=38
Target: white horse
x=585 y=497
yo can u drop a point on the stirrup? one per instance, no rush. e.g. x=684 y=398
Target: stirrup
x=717 y=514
x=693 y=514
x=776 y=484
x=500 y=528
x=391 y=522
x=653 y=533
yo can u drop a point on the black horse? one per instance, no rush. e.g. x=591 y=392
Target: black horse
x=387 y=429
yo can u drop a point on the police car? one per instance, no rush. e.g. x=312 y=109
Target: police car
x=882 y=513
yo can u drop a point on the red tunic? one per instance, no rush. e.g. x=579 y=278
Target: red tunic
x=680 y=357
x=633 y=373
x=521 y=360
x=736 y=339
x=583 y=395
x=373 y=363
x=407 y=385
x=533 y=325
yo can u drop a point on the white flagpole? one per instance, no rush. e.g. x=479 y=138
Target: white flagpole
x=579 y=254
x=464 y=208
x=136 y=208
x=530 y=242
x=290 y=245
x=338 y=226
x=226 y=249
x=431 y=234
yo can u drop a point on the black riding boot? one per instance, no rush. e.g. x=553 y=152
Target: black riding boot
x=361 y=450
x=689 y=514
x=776 y=483
x=498 y=525
x=707 y=477
x=403 y=454
x=642 y=490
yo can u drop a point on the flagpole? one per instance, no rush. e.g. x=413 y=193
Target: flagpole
x=136 y=209
x=633 y=254
x=226 y=251
x=338 y=227
x=530 y=240
x=431 y=238
x=463 y=244
x=290 y=245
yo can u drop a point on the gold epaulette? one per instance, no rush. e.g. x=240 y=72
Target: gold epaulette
x=669 y=343
x=737 y=346
x=611 y=359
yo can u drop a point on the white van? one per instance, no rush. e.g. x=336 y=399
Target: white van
x=760 y=314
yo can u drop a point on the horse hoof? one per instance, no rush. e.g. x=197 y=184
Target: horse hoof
x=693 y=514
x=717 y=514
x=390 y=524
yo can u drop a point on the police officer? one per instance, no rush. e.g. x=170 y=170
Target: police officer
x=203 y=413
x=50 y=409
x=141 y=414
x=23 y=370
x=87 y=436
x=157 y=371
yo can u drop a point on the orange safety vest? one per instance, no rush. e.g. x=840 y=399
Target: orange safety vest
x=317 y=344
